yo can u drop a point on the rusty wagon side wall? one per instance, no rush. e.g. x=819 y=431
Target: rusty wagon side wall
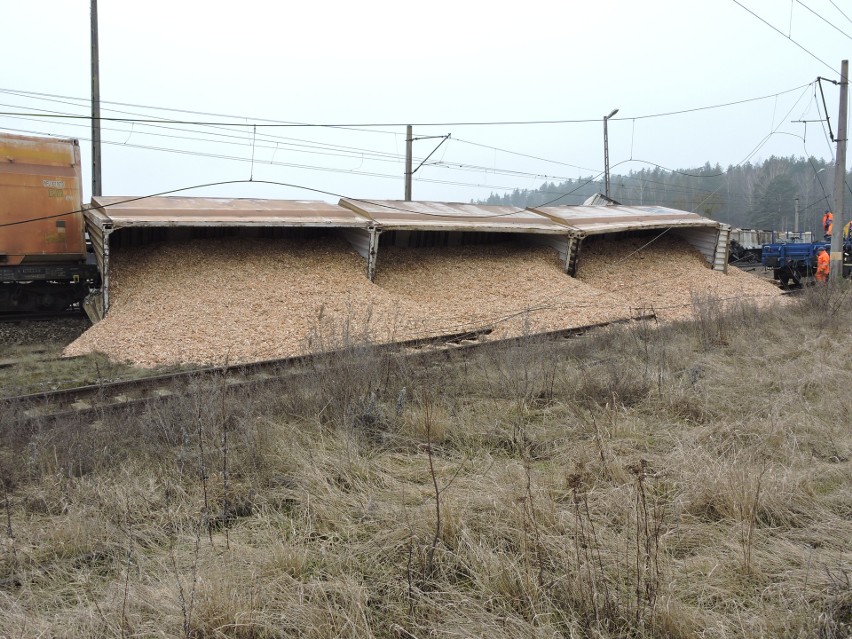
x=40 y=200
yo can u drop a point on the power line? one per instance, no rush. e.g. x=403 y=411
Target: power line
x=345 y=151
x=162 y=124
x=716 y=106
x=378 y=157
x=349 y=152
x=840 y=10
x=813 y=55
x=276 y=124
x=268 y=182
x=523 y=155
x=23 y=93
x=244 y=142
x=833 y=26
x=353 y=152
x=241 y=159
x=450 y=166
x=668 y=188
x=317 y=125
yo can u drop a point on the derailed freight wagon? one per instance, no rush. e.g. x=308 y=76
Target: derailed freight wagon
x=43 y=258
x=613 y=220
x=114 y=222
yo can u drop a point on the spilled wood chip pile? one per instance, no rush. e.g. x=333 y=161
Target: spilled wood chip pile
x=509 y=287
x=240 y=300
x=666 y=276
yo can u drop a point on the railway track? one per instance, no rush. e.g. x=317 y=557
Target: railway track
x=38 y=317
x=116 y=395
x=12 y=362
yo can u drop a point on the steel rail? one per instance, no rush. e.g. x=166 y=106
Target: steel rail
x=125 y=394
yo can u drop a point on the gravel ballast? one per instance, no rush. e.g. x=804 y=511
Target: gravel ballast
x=48 y=333
x=241 y=300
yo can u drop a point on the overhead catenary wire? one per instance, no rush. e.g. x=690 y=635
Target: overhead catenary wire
x=499 y=171
x=340 y=151
x=353 y=151
x=162 y=121
x=385 y=205
x=828 y=22
x=582 y=182
x=774 y=28
x=278 y=163
x=448 y=165
x=62 y=99
x=282 y=124
x=451 y=165
x=354 y=155
x=624 y=180
x=840 y=10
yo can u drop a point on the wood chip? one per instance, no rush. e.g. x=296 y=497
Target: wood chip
x=241 y=300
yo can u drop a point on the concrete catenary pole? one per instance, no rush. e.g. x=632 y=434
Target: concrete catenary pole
x=96 y=106
x=836 y=263
x=408 y=144
x=796 y=218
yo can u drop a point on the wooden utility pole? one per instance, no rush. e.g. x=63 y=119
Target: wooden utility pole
x=408 y=144
x=96 y=106
x=836 y=263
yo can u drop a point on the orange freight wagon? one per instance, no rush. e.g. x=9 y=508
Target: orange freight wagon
x=42 y=244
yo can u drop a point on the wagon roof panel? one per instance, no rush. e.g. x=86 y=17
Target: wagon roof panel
x=453 y=216
x=593 y=220
x=209 y=211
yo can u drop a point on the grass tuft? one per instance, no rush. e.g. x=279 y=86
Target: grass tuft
x=683 y=480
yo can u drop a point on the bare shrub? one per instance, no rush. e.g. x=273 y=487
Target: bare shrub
x=616 y=382
x=656 y=489
x=711 y=321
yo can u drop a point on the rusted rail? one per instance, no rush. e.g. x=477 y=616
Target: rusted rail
x=127 y=394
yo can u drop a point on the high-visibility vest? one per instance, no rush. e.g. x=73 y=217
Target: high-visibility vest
x=827 y=220
x=823 y=268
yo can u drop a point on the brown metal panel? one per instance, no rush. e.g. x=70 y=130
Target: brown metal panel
x=590 y=220
x=40 y=200
x=393 y=215
x=99 y=228
x=128 y=211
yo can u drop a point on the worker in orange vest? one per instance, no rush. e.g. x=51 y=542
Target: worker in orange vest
x=827 y=223
x=822 y=266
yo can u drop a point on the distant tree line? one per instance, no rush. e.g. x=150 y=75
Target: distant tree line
x=747 y=196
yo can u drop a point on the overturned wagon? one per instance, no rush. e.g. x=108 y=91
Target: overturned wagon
x=368 y=226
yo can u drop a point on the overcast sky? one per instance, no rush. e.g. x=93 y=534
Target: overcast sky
x=437 y=65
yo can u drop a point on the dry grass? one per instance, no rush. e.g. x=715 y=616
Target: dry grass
x=691 y=480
